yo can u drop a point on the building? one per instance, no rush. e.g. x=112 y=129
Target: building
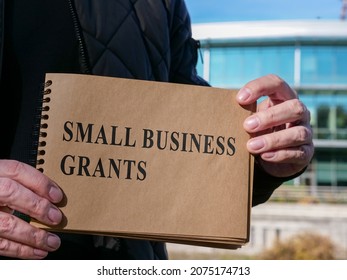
x=311 y=55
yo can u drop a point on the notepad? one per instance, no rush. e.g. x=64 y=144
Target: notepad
x=147 y=160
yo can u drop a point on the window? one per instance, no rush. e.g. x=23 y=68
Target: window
x=232 y=67
x=328 y=113
x=331 y=167
x=323 y=65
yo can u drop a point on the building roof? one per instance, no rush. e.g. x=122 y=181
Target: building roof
x=283 y=30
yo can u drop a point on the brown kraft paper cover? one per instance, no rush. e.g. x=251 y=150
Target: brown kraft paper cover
x=148 y=160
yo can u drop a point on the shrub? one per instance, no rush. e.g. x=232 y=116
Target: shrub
x=304 y=246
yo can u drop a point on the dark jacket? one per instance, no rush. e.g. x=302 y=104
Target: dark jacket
x=148 y=40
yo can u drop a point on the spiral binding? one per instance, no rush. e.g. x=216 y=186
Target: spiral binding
x=39 y=133
x=42 y=126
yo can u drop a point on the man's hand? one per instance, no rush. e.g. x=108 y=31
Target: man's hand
x=25 y=189
x=280 y=129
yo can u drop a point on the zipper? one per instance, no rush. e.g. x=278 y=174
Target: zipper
x=85 y=66
x=198 y=46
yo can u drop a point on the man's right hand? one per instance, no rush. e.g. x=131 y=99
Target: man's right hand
x=27 y=190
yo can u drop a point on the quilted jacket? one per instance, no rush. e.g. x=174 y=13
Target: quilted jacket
x=141 y=39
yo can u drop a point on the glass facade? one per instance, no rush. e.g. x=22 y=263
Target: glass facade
x=328 y=113
x=325 y=65
x=317 y=70
x=317 y=65
x=234 y=66
x=331 y=167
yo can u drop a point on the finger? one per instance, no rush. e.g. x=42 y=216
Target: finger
x=291 y=111
x=286 y=162
x=16 y=197
x=270 y=85
x=288 y=138
x=300 y=155
x=31 y=178
x=13 y=249
x=22 y=240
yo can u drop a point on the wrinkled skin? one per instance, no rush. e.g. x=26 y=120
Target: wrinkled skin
x=281 y=132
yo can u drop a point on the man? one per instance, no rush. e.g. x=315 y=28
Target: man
x=143 y=39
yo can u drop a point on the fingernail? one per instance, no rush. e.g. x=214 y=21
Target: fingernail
x=55 y=194
x=252 y=123
x=54 y=215
x=256 y=144
x=40 y=253
x=268 y=155
x=53 y=241
x=243 y=94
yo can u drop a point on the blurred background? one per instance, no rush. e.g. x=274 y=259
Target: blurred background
x=305 y=43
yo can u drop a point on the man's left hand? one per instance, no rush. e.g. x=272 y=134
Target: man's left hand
x=280 y=129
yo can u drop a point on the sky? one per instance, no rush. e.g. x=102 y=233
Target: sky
x=240 y=10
